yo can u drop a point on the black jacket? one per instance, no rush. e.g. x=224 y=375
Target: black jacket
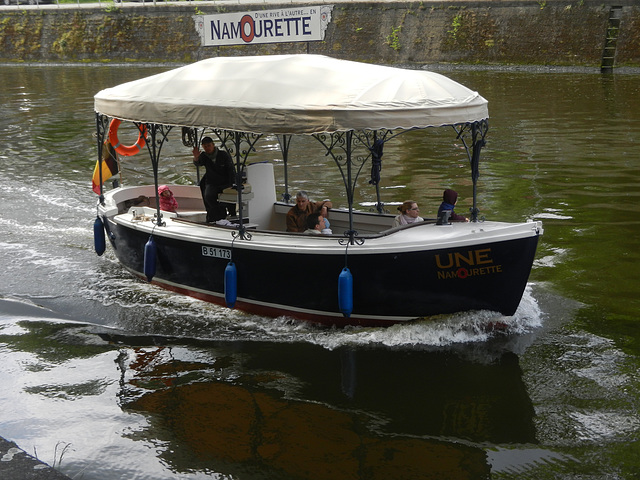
x=220 y=171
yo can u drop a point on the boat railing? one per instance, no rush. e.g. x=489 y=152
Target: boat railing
x=191 y=209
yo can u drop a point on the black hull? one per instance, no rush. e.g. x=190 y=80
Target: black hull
x=387 y=288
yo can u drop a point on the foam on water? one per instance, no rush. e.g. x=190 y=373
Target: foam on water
x=444 y=330
x=147 y=308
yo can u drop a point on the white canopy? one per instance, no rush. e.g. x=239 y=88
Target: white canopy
x=293 y=94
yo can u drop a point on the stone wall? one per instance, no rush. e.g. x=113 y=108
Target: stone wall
x=540 y=32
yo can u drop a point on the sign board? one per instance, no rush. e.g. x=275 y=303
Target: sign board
x=295 y=24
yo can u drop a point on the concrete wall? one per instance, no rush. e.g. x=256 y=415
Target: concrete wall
x=552 y=32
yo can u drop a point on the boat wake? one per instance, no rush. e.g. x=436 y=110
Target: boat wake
x=443 y=330
x=140 y=307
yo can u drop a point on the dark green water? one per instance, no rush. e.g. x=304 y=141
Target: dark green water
x=136 y=383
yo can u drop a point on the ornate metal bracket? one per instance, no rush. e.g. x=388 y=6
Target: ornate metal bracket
x=351 y=238
x=242 y=234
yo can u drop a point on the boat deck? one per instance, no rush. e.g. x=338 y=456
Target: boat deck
x=268 y=230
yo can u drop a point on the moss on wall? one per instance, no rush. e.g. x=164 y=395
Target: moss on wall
x=562 y=33
x=21 y=35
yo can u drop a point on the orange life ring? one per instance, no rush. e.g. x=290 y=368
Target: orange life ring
x=124 y=150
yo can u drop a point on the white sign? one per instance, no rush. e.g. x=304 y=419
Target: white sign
x=208 y=251
x=295 y=24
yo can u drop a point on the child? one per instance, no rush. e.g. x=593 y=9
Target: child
x=168 y=203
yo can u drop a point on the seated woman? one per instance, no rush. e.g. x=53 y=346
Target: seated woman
x=408 y=214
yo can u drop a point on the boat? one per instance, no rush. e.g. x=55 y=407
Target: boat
x=363 y=273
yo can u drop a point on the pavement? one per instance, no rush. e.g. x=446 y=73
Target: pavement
x=16 y=464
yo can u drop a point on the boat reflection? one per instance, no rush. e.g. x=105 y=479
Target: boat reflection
x=264 y=410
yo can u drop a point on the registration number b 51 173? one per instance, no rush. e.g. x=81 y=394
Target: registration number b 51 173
x=208 y=251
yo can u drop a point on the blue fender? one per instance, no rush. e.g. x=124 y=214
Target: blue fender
x=98 y=236
x=150 y=256
x=230 y=284
x=345 y=292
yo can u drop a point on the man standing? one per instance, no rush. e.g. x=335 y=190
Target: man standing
x=220 y=174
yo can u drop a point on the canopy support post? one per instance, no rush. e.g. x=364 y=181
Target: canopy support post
x=376 y=168
x=343 y=147
x=478 y=133
x=237 y=139
x=154 y=146
x=285 y=142
x=349 y=144
x=101 y=135
x=154 y=163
